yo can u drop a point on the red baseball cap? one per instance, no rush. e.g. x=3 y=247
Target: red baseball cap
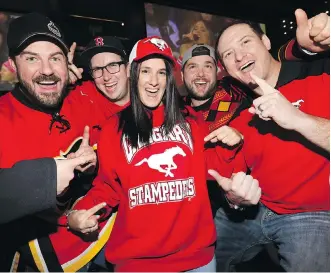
x=149 y=46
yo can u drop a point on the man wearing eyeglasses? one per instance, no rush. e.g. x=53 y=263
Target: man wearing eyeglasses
x=107 y=60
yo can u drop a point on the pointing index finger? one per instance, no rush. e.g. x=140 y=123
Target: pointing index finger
x=71 y=52
x=86 y=137
x=266 y=88
x=94 y=209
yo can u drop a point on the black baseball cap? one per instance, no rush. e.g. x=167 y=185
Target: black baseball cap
x=33 y=27
x=103 y=44
x=198 y=50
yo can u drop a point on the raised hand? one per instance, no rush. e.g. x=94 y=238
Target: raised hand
x=85 y=149
x=272 y=105
x=65 y=169
x=85 y=221
x=75 y=73
x=240 y=189
x=313 y=34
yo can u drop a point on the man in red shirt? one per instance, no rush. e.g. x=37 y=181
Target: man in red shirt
x=286 y=148
x=106 y=60
x=40 y=119
x=108 y=94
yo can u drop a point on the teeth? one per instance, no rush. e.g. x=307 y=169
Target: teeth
x=47 y=83
x=246 y=65
x=110 y=85
x=152 y=90
x=200 y=82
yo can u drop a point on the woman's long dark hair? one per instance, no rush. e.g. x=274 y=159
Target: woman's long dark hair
x=137 y=120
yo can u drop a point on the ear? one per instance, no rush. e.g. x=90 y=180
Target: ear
x=266 y=41
x=12 y=64
x=181 y=72
x=128 y=70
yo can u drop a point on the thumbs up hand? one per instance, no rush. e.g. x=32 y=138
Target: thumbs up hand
x=313 y=34
x=240 y=189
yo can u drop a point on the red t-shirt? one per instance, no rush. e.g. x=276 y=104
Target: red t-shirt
x=293 y=173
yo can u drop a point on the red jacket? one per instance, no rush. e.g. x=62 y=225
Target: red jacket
x=164 y=221
x=26 y=134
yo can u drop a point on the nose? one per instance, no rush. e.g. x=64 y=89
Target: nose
x=200 y=72
x=46 y=68
x=239 y=55
x=106 y=75
x=154 y=80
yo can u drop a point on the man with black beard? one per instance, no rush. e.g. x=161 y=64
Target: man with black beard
x=217 y=101
x=40 y=119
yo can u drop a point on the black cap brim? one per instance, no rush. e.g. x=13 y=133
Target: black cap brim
x=36 y=37
x=88 y=54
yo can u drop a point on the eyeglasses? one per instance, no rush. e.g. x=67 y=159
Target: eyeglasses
x=112 y=68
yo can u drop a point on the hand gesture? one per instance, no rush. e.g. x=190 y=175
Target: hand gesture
x=86 y=150
x=240 y=189
x=74 y=72
x=272 y=105
x=226 y=135
x=65 y=169
x=85 y=221
x=313 y=34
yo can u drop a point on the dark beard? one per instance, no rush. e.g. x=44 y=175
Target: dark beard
x=48 y=100
x=210 y=92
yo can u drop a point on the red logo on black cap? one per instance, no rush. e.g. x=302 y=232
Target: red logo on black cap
x=99 y=41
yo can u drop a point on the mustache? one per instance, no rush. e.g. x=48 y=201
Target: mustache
x=41 y=78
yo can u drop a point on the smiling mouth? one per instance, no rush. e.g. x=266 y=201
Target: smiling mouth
x=111 y=85
x=152 y=92
x=247 y=66
x=46 y=83
x=200 y=84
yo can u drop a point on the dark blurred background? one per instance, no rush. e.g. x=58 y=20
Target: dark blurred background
x=126 y=18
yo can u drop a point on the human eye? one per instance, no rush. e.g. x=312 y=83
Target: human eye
x=144 y=71
x=227 y=54
x=112 y=65
x=55 y=59
x=246 y=41
x=162 y=72
x=96 y=72
x=31 y=59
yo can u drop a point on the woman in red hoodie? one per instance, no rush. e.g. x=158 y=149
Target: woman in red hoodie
x=152 y=166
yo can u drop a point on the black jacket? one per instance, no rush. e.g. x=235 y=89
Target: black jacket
x=26 y=188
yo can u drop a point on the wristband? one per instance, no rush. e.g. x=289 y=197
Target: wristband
x=67 y=215
x=233 y=206
x=306 y=51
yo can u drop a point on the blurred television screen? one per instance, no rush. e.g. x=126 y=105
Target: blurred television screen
x=182 y=28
